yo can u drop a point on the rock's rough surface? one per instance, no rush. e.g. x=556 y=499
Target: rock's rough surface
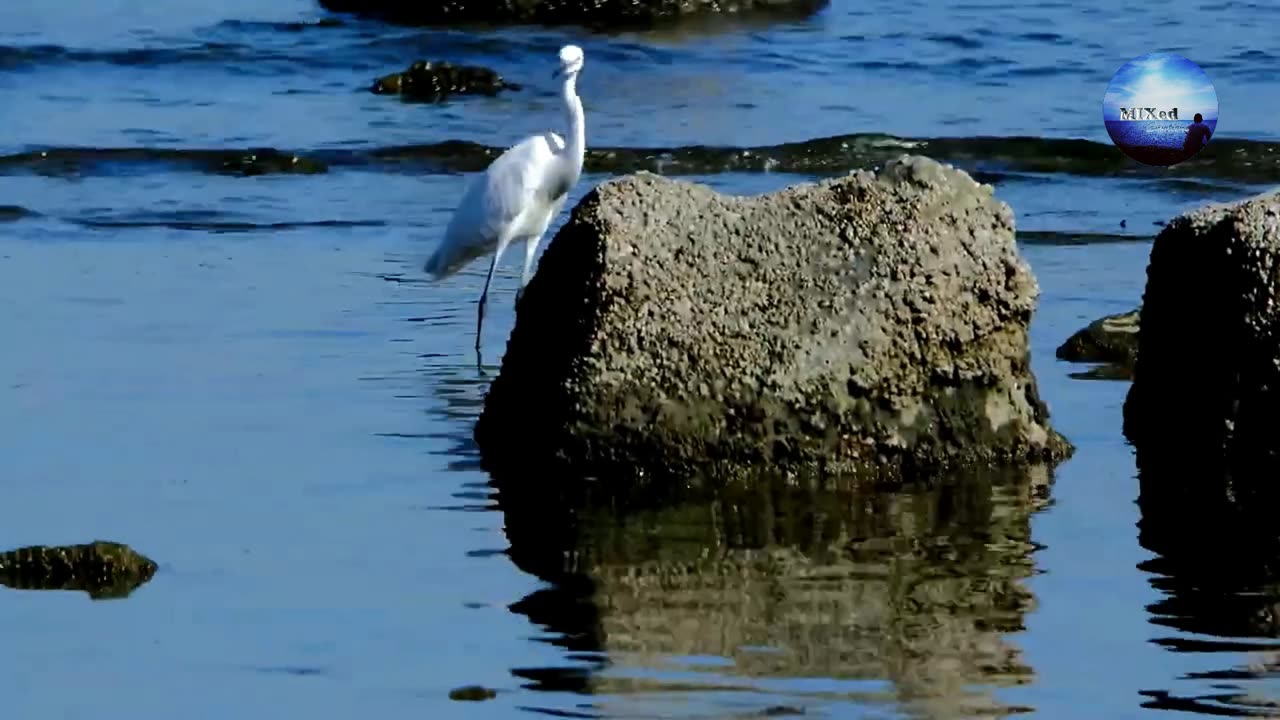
x=434 y=81
x=1112 y=340
x=866 y=322
x=1207 y=378
x=599 y=13
x=102 y=569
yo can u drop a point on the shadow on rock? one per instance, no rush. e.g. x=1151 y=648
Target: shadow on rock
x=104 y=570
x=1218 y=569
x=784 y=579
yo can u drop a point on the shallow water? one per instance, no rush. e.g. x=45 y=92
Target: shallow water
x=247 y=379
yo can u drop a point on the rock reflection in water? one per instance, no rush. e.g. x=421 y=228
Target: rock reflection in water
x=1217 y=565
x=897 y=597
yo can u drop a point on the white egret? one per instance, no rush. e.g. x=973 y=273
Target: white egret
x=518 y=195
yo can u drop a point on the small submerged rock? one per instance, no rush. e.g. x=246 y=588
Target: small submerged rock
x=431 y=81
x=781 y=711
x=269 y=161
x=10 y=213
x=472 y=693
x=102 y=569
x=326 y=22
x=1112 y=340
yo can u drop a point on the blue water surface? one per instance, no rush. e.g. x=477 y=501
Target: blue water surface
x=248 y=379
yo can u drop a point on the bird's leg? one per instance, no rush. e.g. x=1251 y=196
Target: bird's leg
x=530 y=247
x=484 y=297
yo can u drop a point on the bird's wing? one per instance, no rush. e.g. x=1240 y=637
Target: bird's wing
x=515 y=179
x=492 y=204
x=555 y=181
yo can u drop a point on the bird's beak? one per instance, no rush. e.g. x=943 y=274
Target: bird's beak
x=558 y=72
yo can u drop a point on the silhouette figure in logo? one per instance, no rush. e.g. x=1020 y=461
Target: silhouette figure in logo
x=1197 y=136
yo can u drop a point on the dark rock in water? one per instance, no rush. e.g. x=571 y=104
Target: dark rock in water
x=1207 y=377
x=435 y=81
x=599 y=13
x=1201 y=417
x=1112 y=340
x=10 y=213
x=870 y=322
x=267 y=161
x=102 y=569
x=473 y=693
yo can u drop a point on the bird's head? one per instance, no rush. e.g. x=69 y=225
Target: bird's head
x=571 y=60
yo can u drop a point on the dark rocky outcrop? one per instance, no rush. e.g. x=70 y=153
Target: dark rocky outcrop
x=101 y=569
x=588 y=13
x=1201 y=417
x=1112 y=340
x=1207 y=378
x=871 y=324
x=429 y=81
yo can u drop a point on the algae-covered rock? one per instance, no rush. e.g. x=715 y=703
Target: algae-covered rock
x=916 y=595
x=590 y=13
x=1112 y=340
x=875 y=322
x=434 y=81
x=102 y=569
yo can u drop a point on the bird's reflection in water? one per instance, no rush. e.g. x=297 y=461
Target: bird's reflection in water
x=779 y=598
x=1217 y=566
x=457 y=393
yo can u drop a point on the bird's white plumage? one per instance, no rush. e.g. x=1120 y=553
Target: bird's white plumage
x=569 y=55
x=518 y=195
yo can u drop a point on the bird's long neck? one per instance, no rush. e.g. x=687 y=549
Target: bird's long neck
x=576 y=140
